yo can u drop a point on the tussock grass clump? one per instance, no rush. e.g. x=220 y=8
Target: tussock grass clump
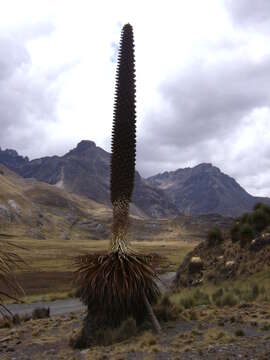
x=148 y=339
x=166 y=311
x=104 y=335
x=194 y=298
x=107 y=336
x=239 y=332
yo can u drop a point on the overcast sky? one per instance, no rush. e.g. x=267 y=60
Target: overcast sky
x=203 y=75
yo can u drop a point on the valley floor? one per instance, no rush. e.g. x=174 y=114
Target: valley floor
x=236 y=332
x=48 y=272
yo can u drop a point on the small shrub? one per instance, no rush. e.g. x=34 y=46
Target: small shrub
x=41 y=313
x=221 y=298
x=166 y=310
x=214 y=236
x=217 y=295
x=108 y=336
x=246 y=218
x=239 y=332
x=235 y=233
x=257 y=206
x=260 y=219
x=196 y=298
x=229 y=300
x=201 y=298
x=148 y=339
x=261 y=206
x=187 y=302
x=246 y=234
x=255 y=291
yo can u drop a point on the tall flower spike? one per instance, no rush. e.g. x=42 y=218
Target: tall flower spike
x=121 y=283
x=123 y=140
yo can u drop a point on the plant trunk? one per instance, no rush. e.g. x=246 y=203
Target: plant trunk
x=120 y=226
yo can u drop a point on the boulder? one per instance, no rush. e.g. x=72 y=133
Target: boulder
x=195 y=265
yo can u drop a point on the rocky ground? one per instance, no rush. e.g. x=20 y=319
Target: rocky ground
x=205 y=332
x=220 y=262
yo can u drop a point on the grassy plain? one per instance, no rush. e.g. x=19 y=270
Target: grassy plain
x=50 y=262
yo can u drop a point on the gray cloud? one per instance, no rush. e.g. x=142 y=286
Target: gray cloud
x=206 y=110
x=249 y=12
x=26 y=100
x=208 y=102
x=29 y=95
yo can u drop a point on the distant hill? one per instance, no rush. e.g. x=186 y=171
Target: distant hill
x=85 y=171
x=38 y=210
x=204 y=189
x=33 y=209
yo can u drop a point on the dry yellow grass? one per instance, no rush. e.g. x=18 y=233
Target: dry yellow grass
x=51 y=262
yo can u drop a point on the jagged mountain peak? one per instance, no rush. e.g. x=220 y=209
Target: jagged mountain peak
x=83 y=146
x=85 y=170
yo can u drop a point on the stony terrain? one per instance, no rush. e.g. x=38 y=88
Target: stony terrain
x=201 y=333
x=222 y=262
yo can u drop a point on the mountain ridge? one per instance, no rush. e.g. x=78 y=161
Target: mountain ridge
x=204 y=189
x=85 y=171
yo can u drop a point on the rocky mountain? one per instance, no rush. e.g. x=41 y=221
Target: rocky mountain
x=11 y=159
x=85 y=171
x=36 y=210
x=204 y=189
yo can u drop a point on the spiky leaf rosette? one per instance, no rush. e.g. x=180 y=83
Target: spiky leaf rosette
x=126 y=279
x=123 y=140
x=9 y=261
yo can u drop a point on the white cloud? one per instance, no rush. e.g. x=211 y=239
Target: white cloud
x=58 y=80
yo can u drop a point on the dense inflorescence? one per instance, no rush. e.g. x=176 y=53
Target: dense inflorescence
x=124 y=121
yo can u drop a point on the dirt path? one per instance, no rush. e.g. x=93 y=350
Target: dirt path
x=57 y=307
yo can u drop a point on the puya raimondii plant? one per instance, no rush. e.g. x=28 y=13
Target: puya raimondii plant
x=121 y=283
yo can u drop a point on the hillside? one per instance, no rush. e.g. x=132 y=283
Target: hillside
x=35 y=209
x=85 y=171
x=204 y=189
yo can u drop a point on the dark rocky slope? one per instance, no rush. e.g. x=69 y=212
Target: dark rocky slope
x=204 y=189
x=85 y=171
